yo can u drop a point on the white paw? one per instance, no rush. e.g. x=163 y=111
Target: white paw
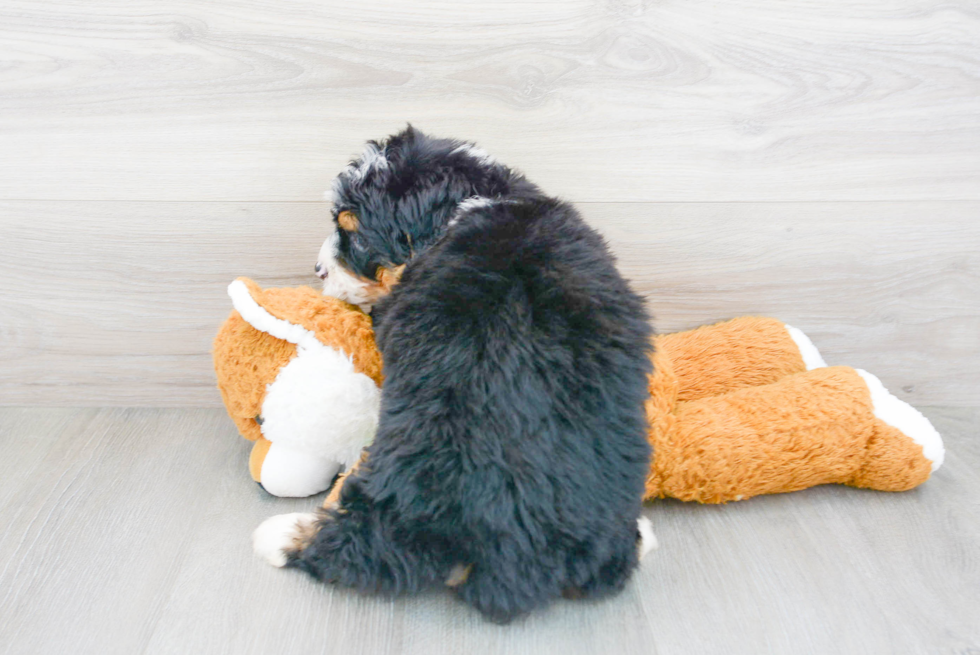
x=648 y=540
x=277 y=535
x=290 y=473
x=899 y=414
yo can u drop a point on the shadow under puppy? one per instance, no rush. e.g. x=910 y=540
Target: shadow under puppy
x=511 y=450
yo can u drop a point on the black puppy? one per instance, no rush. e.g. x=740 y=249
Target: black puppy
x=511 y=450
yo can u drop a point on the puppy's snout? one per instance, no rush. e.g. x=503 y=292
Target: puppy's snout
x=320 y=270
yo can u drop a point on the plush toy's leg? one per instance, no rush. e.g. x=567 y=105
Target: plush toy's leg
x=905 y=447
x=255 y=459
x=744 y=352
x=285 y=472
x=804 y=430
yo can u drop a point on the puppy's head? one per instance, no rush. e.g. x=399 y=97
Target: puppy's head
x=394 y=202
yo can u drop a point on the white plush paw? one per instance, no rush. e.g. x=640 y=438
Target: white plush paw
x=278 y=535
x=902 y=416
x=648 y=540
x=290 y=473
x=811 y=356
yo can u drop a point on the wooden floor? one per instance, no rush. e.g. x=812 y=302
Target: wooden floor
x=127 y=531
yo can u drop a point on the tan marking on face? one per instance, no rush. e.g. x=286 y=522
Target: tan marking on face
x=389 y=277
x=347 y=221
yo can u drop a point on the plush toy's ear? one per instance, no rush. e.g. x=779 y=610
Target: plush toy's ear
x=301 y=315
x=271 y=312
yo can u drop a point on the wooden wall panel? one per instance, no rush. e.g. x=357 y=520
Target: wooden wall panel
x=116 y=303
x=623 y=100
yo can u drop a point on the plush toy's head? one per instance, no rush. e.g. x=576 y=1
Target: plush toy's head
x=300 y=375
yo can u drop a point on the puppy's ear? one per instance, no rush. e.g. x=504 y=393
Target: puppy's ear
x=389 y=277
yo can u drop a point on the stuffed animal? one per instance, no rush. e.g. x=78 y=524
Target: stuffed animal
x=748 y=407
x=299 y=374
x=737 y=409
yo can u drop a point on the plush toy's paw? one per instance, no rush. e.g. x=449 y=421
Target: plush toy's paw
x=290 y=473
x=811 y=356
x=906 y=419
x=647 y=540
x=280 y=535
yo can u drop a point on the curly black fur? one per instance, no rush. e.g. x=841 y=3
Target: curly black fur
x=404 y=191
x=512 y=435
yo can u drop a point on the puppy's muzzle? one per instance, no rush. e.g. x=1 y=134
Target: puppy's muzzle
x=320 y=270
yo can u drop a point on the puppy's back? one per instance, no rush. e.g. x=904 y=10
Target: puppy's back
x=516 y=359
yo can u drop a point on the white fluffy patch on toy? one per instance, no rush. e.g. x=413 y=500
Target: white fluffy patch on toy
x=902 y=416
x=648 y=540
x=277 y=535
x=319 y=412
x=319 y=404
x=811 y=356
x=338 y=282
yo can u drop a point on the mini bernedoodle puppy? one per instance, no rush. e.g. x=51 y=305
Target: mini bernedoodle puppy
x=511 y=450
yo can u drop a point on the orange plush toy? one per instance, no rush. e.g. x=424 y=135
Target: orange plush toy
x=300 y=376
x=748 y=407
x=737 y=409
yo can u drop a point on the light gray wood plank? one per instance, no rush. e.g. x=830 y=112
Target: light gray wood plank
x=93 y=541
x=136 y=539
x=27 y=438
x=597 y=101
x=285 y=611
x=117 y=303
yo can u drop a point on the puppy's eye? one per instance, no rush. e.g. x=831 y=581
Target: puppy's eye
x=347 y=221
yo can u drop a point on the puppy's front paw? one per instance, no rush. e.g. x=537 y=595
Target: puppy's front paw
x=280 y=535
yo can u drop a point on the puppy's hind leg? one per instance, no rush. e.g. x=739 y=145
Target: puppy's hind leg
x=357 y=544
x=610 y=576
x=505 y=585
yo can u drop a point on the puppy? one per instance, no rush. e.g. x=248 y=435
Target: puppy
x=511 y=450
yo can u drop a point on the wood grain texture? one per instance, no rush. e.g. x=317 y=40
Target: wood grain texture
x=131 y=535
x=117 y=303
x=96 y=534
x=597 y=100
